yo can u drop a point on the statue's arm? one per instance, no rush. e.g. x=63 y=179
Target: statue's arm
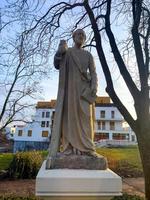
x=57 y=60
x=92 y=70
x=60 y=54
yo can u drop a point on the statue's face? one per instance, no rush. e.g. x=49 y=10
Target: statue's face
x=79 y=37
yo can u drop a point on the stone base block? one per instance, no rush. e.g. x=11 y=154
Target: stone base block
x=62 y=161
x=74 y=184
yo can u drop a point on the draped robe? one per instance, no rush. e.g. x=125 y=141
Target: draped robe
x=73 y=121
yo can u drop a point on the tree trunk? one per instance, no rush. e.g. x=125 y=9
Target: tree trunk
x=143 y=137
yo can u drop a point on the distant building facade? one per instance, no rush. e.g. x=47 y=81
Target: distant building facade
x=36 y=135
x=110 y=124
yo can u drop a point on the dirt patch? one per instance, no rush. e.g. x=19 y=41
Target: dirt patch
x=17 y=187
x=24 y=188
x=134 y=186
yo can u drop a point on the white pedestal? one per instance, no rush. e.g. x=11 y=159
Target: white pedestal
x=77 y=184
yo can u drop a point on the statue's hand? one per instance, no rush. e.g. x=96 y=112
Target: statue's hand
x=61 y=51
x=62 y=47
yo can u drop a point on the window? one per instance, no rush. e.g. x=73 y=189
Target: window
x=43 y=114
x=47 y=114
x=47 y=124
x=119 y=136
x=104 y=136
x=42 y=123
x=102 y=114
x=101 y=136
x=99 y=125
x=29 y=133
x=20 y=132
x=103 y=125
x=112 y=125
x=44 y=133
x=112 y=114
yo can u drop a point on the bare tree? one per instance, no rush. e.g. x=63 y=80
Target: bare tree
x=21 y=70
x=99 y=19
x=18 y=84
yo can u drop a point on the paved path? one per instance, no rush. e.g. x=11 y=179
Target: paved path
x=134 y=186
x=27 y=187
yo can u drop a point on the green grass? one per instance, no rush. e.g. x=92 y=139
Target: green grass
x=131 y=154
x=124 y=161
x=5 y=159
x=44 y=154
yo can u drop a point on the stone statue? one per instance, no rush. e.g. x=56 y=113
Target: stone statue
x=73 y=122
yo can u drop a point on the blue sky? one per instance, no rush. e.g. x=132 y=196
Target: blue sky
x=50 y=85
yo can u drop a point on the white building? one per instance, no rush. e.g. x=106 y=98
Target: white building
x=35 y=135
x=110 y=125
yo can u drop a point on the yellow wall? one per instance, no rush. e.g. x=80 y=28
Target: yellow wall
x=46 y=104
x=52 y=103
x=103 y=100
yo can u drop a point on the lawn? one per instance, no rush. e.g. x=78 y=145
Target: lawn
x=131 y=154
x=124 y=161
x=5 y=159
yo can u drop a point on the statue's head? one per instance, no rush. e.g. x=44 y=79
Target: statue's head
x=79 y=37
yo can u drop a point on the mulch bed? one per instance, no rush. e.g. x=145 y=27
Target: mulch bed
x=18 y=187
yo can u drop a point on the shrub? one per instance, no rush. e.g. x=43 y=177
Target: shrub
x=128 y=197
x=126 y=169
x=25 y=165
x=123 y=197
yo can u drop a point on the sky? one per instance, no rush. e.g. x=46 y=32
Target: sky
x=50 y=85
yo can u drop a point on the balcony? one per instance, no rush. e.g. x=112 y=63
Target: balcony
x=124 y=131
x=110 y=119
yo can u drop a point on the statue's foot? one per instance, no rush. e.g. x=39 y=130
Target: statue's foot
x=77 y=152
x=68 y=150
x=92 y=154
x=71 y=150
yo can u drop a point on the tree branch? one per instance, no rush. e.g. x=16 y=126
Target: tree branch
x=123 y=70
x=136 y=10
x=58 y=12
x=110 y=89
x=146 y=45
